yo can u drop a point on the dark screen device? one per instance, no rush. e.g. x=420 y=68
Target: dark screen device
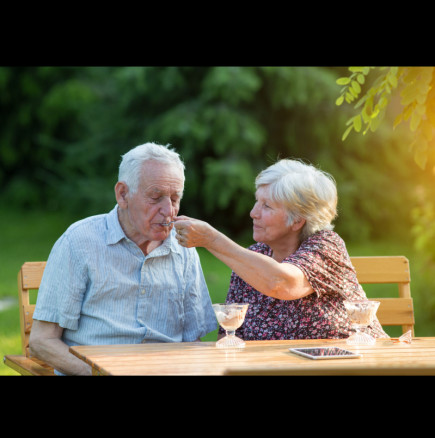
x=325 y=353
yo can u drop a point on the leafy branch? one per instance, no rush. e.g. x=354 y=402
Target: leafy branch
x=416 y=86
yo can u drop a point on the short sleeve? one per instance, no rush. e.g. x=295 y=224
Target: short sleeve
x=62 y=286
x=324 y=260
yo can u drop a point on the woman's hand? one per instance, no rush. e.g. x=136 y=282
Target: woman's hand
x=278 y=280
x=193 y=232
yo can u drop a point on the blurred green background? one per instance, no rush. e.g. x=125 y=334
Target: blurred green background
x=64 y=129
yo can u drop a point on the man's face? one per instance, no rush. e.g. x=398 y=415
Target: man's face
x=156 y=201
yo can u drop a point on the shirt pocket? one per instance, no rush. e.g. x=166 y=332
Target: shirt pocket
x=161 y=297
x=161 y=309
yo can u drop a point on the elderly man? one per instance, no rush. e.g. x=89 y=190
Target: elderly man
x=121 y=277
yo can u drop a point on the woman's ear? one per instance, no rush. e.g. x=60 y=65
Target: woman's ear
x=121 y=190
x=298 y=224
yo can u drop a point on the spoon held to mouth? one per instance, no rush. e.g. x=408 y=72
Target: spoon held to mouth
x=167 y=224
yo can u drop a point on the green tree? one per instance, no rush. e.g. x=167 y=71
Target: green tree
x=65 y=128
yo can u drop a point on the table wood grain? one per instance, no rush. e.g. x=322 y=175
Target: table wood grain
x=386 y=357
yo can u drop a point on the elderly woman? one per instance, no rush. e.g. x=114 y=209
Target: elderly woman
x=297 y=275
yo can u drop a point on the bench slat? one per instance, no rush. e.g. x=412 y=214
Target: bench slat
x=27 y=366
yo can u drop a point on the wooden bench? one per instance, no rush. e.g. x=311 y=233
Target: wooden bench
x=384 y=270
x=370 y=270
x=29 y=278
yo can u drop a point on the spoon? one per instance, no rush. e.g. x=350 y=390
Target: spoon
x=167 y=224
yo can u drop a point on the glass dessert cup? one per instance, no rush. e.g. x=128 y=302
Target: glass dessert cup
x=361 y=314
x=230 y=317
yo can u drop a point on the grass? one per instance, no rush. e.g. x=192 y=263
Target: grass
x=26 y=236
x=30 y=236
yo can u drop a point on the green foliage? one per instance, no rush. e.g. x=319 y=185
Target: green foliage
x=416 y=89
x=417 y=92
x=418 y=99
x=373 y=102
x=65 y=129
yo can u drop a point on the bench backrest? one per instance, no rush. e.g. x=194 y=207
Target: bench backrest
x=29 y=278
x=389 y=269
x=370 y=270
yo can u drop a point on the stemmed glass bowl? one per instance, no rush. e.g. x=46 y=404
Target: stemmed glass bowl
x=361 y=314
x=230 y=317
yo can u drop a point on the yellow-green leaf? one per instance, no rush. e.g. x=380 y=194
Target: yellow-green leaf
x=346 y=133
x=364 y=115
x=350 y=121
x=397 y=120
x=361 y=101
x=356 y=86
x=375 y=123
x=342 y=81
x=357 y=123
x=353 y=92
x=340 y=100
x=393 y=80
x=409 y=93
x=415 y=120
x=407 y=112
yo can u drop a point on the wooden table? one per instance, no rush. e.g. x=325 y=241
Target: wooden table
x=258 y=358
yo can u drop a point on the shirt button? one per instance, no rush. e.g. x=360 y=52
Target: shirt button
x=142 y=291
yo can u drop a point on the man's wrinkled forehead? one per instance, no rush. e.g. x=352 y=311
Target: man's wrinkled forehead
x=165 y=190
x=161 y=176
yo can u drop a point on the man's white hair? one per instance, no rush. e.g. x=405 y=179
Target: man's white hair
x=131 y=163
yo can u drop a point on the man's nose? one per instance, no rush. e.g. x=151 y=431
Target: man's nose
x=166 y=208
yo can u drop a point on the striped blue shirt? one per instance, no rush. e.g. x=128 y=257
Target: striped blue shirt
x=100 y=287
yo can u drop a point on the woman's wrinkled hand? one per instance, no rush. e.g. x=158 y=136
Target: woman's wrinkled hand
x=193 y=232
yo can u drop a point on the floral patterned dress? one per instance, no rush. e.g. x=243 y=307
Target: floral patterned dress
x=324 y=260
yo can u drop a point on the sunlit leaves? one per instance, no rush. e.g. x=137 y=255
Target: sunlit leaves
x=417 y=97
x=416 y=85
x=352 y=84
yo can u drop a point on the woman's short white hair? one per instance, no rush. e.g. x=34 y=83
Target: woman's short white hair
x=131 y=163
x=305 y=192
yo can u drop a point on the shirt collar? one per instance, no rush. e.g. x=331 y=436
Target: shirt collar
x=114 y=230
x=115 y=233
x=169 y=244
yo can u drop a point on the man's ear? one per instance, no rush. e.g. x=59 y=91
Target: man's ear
x=121 y=190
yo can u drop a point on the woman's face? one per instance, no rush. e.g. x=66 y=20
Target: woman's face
x=270 y=219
